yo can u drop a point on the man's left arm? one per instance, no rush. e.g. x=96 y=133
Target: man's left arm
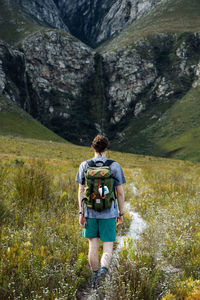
x=82 y=219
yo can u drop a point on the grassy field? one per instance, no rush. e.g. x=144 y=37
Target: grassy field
x=42 y=253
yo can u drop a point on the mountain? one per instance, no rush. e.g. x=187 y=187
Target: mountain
x=93 y=21
x=157 y=61
x=133 y=87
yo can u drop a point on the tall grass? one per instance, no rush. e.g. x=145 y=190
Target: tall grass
x=42 y=255
x=3 y=207
x=165 y=262
x=32 y=186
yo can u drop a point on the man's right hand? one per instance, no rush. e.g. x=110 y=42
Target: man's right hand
x=82 y=221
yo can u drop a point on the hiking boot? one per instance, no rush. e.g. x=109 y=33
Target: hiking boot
x=95 y=279
x=103 y=272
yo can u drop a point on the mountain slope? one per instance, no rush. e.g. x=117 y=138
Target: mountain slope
x=153 y=71
x=124 y=89
x=14 y=25
x=176 y=134
x=45 y=12
x=179 y=130
x=93 y=21
x=169 y=17
x=15 y=121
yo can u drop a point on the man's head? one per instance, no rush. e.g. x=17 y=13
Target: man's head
x=100 y=144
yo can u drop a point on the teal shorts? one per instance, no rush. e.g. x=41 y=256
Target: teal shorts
x=105 y=229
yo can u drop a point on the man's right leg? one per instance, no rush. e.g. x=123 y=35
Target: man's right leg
x=93 y=258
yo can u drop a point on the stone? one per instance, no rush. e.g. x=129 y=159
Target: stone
x=139 y=107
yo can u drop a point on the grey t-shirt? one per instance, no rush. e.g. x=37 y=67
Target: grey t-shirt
x=119 y=179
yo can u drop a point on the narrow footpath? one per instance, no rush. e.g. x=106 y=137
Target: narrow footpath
x=137 y=226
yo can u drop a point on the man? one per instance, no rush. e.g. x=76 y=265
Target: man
x=101 y=224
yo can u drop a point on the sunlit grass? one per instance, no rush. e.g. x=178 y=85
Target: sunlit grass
x=42 y=253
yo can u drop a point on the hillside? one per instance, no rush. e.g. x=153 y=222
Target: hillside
x=175 y=134
x=169 y=17
x=15 y=25
x=166 y=121
x=16 y=122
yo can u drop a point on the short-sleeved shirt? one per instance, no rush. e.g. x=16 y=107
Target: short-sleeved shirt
x=118 y=179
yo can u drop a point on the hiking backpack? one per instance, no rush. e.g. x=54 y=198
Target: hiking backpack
x=98 y=193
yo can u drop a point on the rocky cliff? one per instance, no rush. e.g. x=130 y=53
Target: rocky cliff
x=121 y=14
x=146 y=79
x=13 y=74
x=92 y=21
x=58 y=67
x=44 y=11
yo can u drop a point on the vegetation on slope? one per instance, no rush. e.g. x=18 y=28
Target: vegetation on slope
x=16 y=122
x=42 y=253
x=15 y=25
x=169 y=17
x=178 y=131
x=168 y=127
x=175 y=134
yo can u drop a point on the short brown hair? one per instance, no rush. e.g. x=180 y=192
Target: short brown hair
x=100 y=143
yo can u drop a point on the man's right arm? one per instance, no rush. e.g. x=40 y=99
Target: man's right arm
x=120 y=200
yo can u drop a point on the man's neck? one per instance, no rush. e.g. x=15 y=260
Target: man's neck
x=103 y=154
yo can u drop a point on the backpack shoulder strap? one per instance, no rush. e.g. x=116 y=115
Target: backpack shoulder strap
x=92 y=163
x=108 y=162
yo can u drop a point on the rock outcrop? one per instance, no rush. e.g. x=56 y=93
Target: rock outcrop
x=13 y=74
x=64 y=84
x=58 y=68
x=92 y=21
x=150 y=72
x=44 y=11
x=77 y=91
x=121 y=14
x=129 y=74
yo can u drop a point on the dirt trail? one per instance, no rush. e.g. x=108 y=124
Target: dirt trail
x=136 y=228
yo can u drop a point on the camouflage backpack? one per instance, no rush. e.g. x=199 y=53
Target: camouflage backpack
x=98 y=193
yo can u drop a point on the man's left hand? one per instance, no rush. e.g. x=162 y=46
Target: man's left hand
x=119 y=220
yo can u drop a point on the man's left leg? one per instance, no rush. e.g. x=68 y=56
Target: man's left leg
x=93 y=258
